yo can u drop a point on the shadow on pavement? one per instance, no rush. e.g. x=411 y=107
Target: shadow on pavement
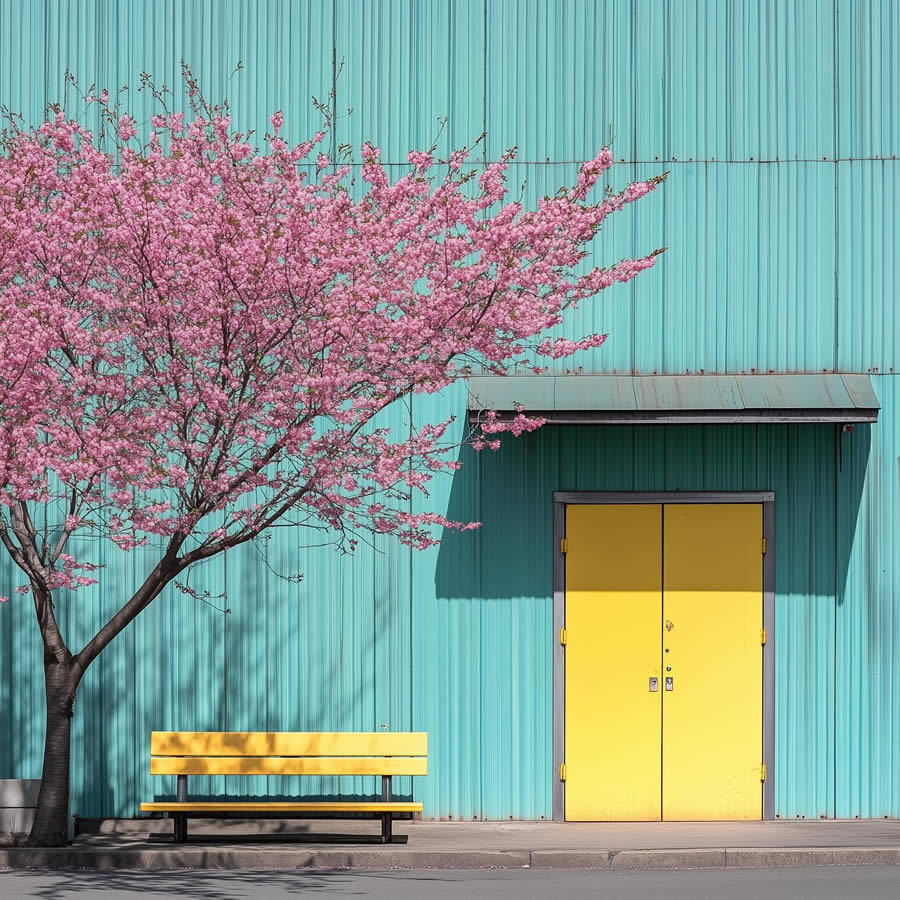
x=195 y=884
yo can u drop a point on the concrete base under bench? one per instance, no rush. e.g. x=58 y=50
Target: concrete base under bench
x=18 y=800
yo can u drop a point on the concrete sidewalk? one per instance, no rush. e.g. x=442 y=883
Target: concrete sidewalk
x=291 y=844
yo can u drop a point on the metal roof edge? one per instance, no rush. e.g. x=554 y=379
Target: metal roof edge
x=606 y=398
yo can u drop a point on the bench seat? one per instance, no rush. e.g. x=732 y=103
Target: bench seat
x=383 y=755
x=279 y=806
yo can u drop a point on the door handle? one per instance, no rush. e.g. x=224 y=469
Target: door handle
x=654 y=685
x=670 y=683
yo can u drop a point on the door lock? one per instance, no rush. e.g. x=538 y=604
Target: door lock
x=654 y=685
x=670 y=683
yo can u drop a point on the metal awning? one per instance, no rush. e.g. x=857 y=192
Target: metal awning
x=664 y=399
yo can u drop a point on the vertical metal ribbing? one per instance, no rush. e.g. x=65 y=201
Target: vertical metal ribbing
x=559 y=662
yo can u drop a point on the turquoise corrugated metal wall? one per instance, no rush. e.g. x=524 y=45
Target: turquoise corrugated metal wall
x=780 y=124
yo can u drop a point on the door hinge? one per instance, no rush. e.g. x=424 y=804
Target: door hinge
x=563 y=546
x=563 y=771
x=763 y=546
x=762 y=772
x=563 y=636
x=762 y=635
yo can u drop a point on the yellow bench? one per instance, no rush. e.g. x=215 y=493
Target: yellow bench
x=184 y=753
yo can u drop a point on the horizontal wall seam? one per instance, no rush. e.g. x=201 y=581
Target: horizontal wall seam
x=690 y=161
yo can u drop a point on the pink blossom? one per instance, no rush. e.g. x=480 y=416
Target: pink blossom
x=198 y=338
x=457 y=158
x=556 y=348
x=419 y=158
x=590 y=172
x=127 y=128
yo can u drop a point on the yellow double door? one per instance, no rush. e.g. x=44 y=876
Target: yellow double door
x=663 y=683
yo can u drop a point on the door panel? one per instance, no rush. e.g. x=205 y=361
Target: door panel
x=613 y=608
x=712 y=616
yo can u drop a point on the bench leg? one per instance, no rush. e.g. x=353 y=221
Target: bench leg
x=386 y=818
x=181 y=818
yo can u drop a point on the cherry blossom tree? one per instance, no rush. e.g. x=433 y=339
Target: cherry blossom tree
x=197 y=335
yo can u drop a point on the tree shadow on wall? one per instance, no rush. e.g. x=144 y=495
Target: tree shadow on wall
x=268 y=656
x=298 y=657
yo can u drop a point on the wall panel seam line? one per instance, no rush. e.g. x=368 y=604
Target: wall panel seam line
x=835 y=45
x=674 y=161
x=834 y=636
x=484 y=74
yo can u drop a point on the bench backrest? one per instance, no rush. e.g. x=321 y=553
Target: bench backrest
x=288 y=753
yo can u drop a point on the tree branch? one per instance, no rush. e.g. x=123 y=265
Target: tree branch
x=66 y=534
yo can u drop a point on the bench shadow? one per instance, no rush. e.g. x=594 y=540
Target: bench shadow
x=280 y=838
x=200 y=797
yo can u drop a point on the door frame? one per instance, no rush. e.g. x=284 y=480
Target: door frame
x=562 y=499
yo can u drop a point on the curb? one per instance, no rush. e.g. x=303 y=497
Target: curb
x=391 y=858
x=762 y=858
x=669 y=859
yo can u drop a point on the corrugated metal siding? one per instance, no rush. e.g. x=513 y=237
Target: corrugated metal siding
x=406 y=65
x=753 y=287
x=666 y=79
x=333 y=653
x=867 y=51
x=747 y=283
x=867 y=265
x=781 y=257
x=744 y=101
x=867 y=713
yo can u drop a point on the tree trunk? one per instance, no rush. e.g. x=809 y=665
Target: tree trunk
x=51 y=818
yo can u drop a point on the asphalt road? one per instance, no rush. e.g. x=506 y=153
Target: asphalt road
x=828 y=883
